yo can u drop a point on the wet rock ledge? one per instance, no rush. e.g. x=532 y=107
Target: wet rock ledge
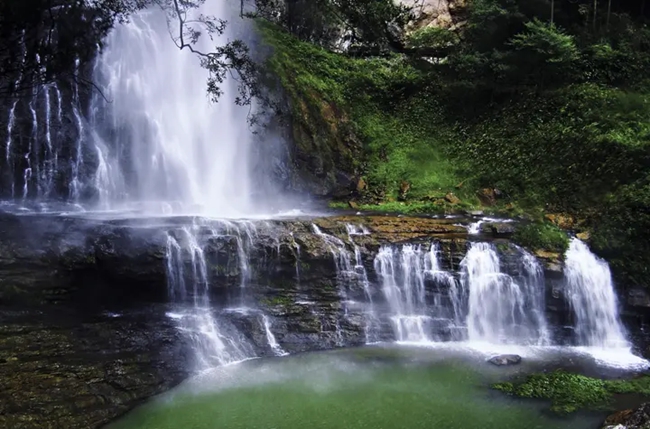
x=84 y=335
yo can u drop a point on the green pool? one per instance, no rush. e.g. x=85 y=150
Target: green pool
x=373 y=388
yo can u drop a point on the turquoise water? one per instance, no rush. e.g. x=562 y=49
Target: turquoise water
x=369 y=388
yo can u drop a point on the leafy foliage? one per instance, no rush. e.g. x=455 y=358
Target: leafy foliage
x=542 y=236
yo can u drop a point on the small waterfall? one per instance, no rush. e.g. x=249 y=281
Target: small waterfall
x=212 y=341
x=350 y=277
x=590 y=292
x=403 y=274
x=501 y=309
x=372 y=324
x=270 y=338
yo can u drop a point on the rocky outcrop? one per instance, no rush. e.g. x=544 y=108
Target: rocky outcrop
x=505 y=360
x=436 y=13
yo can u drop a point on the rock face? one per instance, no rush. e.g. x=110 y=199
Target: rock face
x=59 y=368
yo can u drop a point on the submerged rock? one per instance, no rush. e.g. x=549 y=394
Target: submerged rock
x=504 y=360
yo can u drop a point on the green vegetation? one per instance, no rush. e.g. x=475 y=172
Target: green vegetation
x=542 y=236
x=413 y=207
x=277 y=301
x=555 y=117
x=570 y=392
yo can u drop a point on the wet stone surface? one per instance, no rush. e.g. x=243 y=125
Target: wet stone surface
x=62 y=369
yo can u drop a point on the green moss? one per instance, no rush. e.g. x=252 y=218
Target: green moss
x=338 y=205
x=541 y=236
x=277 y=301
x=570 y=392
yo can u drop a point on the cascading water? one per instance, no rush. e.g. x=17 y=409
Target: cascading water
x=208 y=325
x=351 y=276
x=270 y=338
x=372 y=325
x=403 y=273
x=170 y=143
x=190 y=291
x=502 y=309
x=590 y=292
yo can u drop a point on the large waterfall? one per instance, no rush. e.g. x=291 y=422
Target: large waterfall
x=149 y=138
x=169 y=143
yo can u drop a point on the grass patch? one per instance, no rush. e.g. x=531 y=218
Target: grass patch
x=570 y=392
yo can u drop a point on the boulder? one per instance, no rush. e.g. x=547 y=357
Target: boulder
x=499 y=229
x=638 y=418
x=504 y=360
x=452 y=199
x=404 y=188
x=361 y=185
x=487 y=196
x=561 y=220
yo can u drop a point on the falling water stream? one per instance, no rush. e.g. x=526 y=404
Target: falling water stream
x=590 y=292
x=503 y=309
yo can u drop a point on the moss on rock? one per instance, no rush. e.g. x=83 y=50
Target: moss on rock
x=570 y=392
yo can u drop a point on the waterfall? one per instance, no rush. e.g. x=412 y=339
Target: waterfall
x=503 y=309
x=351 y=276
x=171 y=143
x=403 y=273
x=590 y=292
x=213 y=342
x=148 y=139
x=270 y=338
x=372 y=324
